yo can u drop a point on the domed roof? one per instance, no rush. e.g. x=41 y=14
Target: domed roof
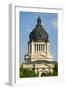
x=39 y=33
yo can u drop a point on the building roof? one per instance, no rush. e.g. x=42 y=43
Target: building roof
x=45 y=62
x=38 y=33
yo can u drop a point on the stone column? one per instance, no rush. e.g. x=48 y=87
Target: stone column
x=32 y=47
x=48 y=48
x=28 y=48
x=44 y=48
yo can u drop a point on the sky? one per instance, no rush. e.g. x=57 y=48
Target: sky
x=28 y=21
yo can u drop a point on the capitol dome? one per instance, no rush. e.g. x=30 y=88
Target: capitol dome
x=38 y=33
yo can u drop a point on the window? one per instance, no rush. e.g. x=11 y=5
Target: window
x=35 y=47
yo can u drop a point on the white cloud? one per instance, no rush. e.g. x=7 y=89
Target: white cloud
x=54 y=23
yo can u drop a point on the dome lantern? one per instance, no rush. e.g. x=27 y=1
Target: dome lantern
x=39 y=21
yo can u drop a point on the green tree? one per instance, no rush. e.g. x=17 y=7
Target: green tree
x=55 y=70
x=27 y=73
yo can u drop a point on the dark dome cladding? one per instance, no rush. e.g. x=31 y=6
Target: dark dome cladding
x=39 y=33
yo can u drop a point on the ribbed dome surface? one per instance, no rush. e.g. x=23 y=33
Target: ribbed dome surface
x=39 y=33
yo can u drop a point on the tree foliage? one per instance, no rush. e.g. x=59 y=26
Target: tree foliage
x=27 y=73
x=55 y=70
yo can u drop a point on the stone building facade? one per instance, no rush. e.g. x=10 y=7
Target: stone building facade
x=39 y=50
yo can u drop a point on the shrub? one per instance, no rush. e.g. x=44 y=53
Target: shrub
x=55 y=70
x=27 y=73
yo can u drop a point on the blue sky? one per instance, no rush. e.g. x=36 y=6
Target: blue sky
x=28 y=21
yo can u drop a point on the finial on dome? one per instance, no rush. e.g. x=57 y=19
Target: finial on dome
x=39 y=21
